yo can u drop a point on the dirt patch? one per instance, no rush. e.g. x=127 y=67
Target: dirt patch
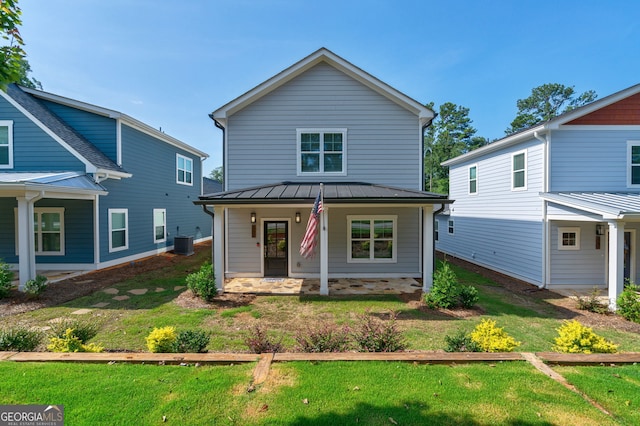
x=222 y=301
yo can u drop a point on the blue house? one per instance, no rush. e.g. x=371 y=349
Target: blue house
x=557 y=205
x=83 y=187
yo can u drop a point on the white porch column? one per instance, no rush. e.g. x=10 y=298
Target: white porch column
x=26 y=242
x=218 y=247
x=616 y=261
x=324 y=252
x=427 y=248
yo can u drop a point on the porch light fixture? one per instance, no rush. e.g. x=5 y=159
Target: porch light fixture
x=298 y=219
x=599 y=229
x=253 y=217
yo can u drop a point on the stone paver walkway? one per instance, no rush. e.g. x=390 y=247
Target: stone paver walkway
x=341 y=286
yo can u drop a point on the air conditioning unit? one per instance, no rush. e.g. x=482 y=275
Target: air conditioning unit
x=183 y=245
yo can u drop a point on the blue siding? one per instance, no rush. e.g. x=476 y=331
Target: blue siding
x=7 y=230
x=586 y=266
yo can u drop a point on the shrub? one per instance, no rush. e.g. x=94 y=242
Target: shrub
x=460 y=342
x=444 y=292
x=6 y=277
x=35 y=286
x=576 y=338
x=193 y=341
x=374 y=335
x=493 y=339
x=628 y=303
x=323 y=337
x=162 y=340
x=83 y=330
x=71 y=343
x=20 y=339
x=259 y=341
x=591 y=302
x=203 y=283
x=467 y=296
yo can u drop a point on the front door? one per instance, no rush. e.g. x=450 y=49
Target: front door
x=276 y=248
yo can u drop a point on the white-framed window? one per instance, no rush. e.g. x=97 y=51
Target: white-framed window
x=519 y=171
x=184 y=170
x=450 y=226
x=473 y=179
x=322 y=151
x=48 y=229
x=633 y=163
x=118 y=229
x=159 y=225
x=436 y=229
x=372 y=239
x=6 y=144
x=569 y=238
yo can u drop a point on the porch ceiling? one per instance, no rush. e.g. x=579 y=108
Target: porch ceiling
x=611 y=205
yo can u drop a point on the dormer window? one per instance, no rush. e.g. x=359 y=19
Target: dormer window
x=322 y=151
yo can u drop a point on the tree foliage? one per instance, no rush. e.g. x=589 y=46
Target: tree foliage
x=217 y=174
x=11 y=53
x=451 y=134
x=546 y=102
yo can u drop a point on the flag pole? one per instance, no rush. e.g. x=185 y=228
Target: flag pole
x=322 y=201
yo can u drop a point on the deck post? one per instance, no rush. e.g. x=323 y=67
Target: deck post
x=616 y=262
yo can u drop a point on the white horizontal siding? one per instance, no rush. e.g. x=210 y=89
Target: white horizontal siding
x=586 y=266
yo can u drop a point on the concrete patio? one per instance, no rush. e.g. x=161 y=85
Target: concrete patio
x=340 y=286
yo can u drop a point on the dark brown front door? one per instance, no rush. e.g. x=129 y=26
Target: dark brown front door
x=276 y=248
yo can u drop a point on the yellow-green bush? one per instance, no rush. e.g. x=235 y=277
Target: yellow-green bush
x=162 y=340
x=493 y=339
x=576 y=338
x=71 y=343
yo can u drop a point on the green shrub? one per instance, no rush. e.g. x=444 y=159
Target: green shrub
x=591 y=302
x=35 y=286
x=20 y=339
x=460 y=342
x=83 y=330
x=628 y=303
x=162 y=340
x=371 y=334
x=447 y=293
x=491 y=338
x=259 y=341
x=323 y=337
x=6 y=277
x=467 y=296
x=203 y=283
x=576 y=338
x=70 y=343
x=192 y=341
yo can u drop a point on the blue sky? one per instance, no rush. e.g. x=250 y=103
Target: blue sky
x=171 y=63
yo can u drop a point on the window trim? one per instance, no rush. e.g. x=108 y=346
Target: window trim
x=568 y=229
x=322 y=131
x=630 y=145
x=513 y=171
x=469 y=180
x=9 y=125
x=164 y=226
x=371 y=259
x=126 y=230
x=451 y=226
x=178 y=169
x=40 y=210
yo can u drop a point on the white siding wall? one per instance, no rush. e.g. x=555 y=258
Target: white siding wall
x=579 y=268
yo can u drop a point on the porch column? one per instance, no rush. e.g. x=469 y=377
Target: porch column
x=26 y=242
x=427 y=248
x=324 y=252
x=218 y=247
x=616 y=261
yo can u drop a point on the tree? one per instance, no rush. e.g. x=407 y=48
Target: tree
x=12 y=54
x=545 y=103
x=450 y=135
x=217 y=174
x=24 y=80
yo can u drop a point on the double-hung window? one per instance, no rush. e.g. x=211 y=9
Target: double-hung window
x=372 y=239
x=322 y=151
x=48 y=231
x=633 y=163
x=450 y=226
x=473 y=179
x=6 y=144
x=184 y=170
x=436 y=229
x=569 y=238
x=519 y=171
x=118 y=229
x=159 y=225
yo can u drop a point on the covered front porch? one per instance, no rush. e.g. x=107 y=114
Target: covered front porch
x=311 y=286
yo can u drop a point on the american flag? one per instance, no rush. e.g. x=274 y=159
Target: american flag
x=308 y=245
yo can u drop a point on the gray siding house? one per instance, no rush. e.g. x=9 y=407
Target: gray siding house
x=557 y=205
x=323 y=122
x=83 y=187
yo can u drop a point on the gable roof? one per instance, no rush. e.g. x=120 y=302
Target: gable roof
x=323 y=55
x=554 y=123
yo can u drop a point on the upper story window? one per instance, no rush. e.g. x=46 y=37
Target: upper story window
x=6 y=144
x=473 y=179
x=633 y=163
x=372 y=239
x=519 y=171
x=184 y=170
x=322 y=151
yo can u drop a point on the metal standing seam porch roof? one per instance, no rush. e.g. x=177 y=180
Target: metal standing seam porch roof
x=334 y=193
x=611 y=205
x=54 y=181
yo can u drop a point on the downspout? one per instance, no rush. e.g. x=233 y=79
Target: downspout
x=423 y=148
x=433 y=240
x=545 y=223
x=224 y=143
x=210 y=213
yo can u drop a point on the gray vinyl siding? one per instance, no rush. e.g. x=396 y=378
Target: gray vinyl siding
x=33 y=149
x=575 y=155
x=383 y=139
x=569 y=213
x=99 y=130
x=152 y=186
x=579 y=268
